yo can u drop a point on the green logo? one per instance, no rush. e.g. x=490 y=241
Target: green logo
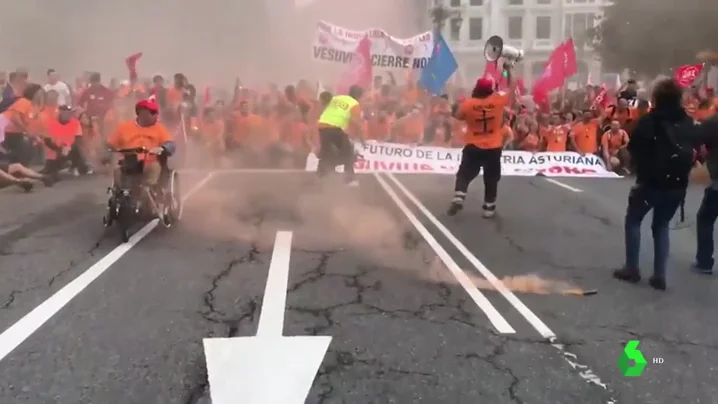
x=631 y=353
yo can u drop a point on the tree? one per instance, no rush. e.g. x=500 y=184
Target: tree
x=654 y=36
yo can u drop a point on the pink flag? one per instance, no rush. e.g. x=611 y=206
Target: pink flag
x=359 y=72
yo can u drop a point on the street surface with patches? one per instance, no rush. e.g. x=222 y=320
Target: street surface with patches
x=379 y=268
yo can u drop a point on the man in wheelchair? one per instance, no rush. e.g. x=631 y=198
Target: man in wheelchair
x=147 y=167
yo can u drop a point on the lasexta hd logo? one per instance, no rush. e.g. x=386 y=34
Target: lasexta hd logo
x=631 y=353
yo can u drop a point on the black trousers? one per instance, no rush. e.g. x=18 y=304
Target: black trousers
x=335 y=148
x=74 y=158
x=473 y=160
x=20 y=148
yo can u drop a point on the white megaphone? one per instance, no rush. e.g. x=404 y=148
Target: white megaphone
x=495 y=48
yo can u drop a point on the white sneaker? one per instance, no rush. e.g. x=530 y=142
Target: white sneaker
x=489 y=210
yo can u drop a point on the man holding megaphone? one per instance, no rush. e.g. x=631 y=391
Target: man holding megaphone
x=484 y=140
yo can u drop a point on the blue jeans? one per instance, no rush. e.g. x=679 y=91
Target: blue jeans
x=705 y=221
x=664 y=204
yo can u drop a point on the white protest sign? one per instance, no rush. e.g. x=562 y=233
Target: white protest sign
x=335 y=44
x=399 y=158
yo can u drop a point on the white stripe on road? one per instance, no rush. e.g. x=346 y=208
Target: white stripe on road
x=498 y=321
x=244 y=171
x=17 y=333
x=583 y=370
x=497 y=284
x=274 y=302
x=565 y=186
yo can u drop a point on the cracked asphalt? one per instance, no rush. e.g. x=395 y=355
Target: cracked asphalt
x=404 y=330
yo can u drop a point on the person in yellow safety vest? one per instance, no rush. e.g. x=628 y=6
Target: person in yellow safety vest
x=340 y=117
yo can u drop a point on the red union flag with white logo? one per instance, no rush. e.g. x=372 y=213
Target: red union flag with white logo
x=601 y=99
x=686 y=75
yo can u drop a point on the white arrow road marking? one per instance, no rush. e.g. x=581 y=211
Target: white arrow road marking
x=268 y=368
x=31 y=322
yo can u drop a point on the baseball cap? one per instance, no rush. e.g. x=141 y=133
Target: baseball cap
x=485 y=84
x=149 y=105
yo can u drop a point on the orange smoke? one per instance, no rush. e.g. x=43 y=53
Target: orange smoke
x=534 y=284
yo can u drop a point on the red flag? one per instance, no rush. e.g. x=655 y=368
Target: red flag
x=359 y=72
x=131 y=63
x=570 y=65
x=601 y=99
x=687 y=74
x=553 y=75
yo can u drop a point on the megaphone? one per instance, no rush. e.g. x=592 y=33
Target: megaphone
x=495 y=49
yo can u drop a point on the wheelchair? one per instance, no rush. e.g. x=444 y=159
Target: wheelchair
x=127 y=204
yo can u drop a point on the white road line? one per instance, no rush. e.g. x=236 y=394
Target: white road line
x=17 y=333
x=562 y=185
x=583 y=370
x=243 y=171
x=271 y=319
x=498 y=321
x=485 y=272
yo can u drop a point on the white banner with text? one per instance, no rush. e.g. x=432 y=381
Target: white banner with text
x=398 y=158
x=335 y=44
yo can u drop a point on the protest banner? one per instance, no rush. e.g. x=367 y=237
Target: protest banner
x=337 y=45
x=406 y=159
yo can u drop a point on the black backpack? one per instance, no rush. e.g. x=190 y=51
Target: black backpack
x=674 y=157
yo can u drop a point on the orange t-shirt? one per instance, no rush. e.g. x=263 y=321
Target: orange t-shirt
x=704 y=113
x=410 y=129
x=555 y=138
x=378 y=129
x=484 y=119
x=62 y=134
x=21 y=111
x=129 y=135
x=411 y=95
x=245 y=127
x=38 y=125
x=624 y=116
x=296 y=136
x=585 y=135
x=267 y=133
x=614 y=141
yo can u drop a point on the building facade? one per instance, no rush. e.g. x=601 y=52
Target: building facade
x=537 y=26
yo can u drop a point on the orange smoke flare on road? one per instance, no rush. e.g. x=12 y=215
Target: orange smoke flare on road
x=536 y=285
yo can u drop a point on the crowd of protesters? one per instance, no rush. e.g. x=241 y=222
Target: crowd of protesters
x=52 y=128
x=57 y=127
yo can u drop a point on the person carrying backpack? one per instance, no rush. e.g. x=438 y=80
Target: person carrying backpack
x=662 y=151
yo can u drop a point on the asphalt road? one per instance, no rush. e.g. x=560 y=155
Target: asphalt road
x=405 y=329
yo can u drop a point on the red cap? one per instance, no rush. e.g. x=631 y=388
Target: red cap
x=485 y=84
x=149 y=105
x=709 y=88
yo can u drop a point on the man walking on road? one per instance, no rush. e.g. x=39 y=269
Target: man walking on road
x=662 y=147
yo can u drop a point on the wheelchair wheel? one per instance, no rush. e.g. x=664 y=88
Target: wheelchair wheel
x=125 y=216
x=110 y=210
x=174 y=202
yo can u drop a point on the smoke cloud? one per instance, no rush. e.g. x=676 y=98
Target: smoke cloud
x=210 y=41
